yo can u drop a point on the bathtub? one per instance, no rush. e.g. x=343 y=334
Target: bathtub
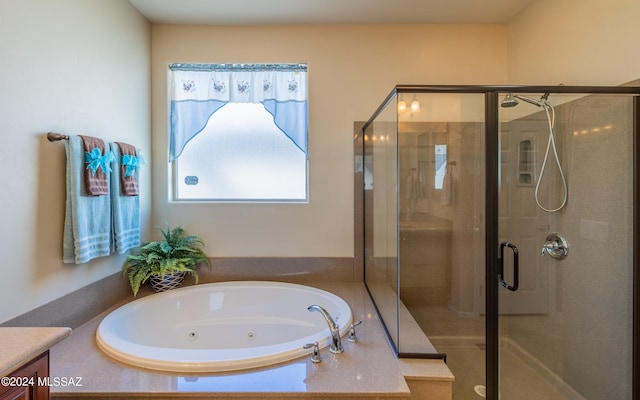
x=223 y=326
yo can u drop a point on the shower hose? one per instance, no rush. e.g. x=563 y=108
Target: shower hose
x=551 y=145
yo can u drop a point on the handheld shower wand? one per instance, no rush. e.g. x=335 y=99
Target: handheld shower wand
x=512 y=101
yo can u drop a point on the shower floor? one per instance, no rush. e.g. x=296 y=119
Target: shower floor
x=526 y=377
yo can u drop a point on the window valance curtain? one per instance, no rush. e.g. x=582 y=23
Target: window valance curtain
x=199 y=90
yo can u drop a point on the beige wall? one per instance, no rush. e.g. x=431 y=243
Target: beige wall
x=69 y=66
x=351 y=70
x=52 y=52
x=575 y=42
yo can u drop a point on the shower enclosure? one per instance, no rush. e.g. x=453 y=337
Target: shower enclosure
x=500 y=228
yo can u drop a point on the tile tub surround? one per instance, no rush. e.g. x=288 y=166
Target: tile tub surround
x=367 y=369
x=78 y=307
x=18 y=346
x=283 y=269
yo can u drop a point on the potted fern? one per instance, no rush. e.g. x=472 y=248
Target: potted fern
x=165 y=263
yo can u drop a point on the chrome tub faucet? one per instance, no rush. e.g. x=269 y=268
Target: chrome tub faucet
x=336 y=345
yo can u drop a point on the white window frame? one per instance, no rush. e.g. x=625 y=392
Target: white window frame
x=275 y=106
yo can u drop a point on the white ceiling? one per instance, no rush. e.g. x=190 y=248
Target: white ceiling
x=226 y=12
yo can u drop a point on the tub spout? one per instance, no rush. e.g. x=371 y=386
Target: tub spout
x=336 y=345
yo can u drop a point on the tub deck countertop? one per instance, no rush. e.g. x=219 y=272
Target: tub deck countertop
x=367 y=368
x=20 y=345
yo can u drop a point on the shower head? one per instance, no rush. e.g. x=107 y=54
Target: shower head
x=512 y=101
x=509 y=101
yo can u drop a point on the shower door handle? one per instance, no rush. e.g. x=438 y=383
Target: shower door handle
x=501 y=280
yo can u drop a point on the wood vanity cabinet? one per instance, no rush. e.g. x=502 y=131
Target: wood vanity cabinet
x=35 y=371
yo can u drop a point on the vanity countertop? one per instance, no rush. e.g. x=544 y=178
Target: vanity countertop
x=19 y=345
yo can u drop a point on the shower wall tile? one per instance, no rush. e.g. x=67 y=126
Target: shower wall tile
x=426 y=266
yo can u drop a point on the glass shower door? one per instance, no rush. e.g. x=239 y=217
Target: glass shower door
x=441 y=231
x=565 y=230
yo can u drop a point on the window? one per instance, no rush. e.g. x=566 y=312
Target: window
x=441 y=164
x=239 y=132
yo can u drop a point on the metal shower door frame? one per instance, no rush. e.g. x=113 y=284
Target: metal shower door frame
x=492 y=148
x=491 y=195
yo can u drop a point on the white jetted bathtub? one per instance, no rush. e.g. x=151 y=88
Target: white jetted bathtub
x=220 y=326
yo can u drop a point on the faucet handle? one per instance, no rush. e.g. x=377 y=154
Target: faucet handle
x=316 y=351
x=352 y=332
x=556 y=246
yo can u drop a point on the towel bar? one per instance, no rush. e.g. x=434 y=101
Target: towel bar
x=54 y=137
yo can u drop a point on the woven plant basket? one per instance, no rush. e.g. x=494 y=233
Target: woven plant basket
x=168 y=282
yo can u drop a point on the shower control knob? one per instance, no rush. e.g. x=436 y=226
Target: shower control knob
x=556 y=246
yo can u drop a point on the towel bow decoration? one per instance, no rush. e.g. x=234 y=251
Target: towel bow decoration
x=96 y=160
x=131 y=163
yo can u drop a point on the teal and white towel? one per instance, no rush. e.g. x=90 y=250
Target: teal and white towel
x=125 y=209
x=87 y=221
